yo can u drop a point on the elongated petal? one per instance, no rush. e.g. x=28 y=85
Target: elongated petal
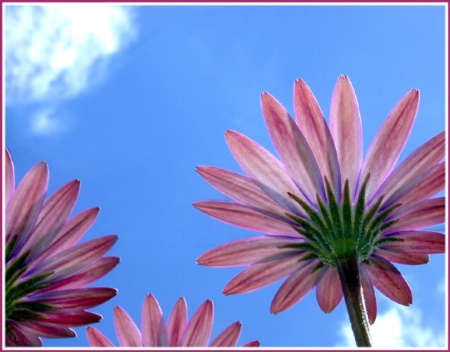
x=418 y=242
x=69 y=318
x=292 y=148
x=346 y=129
x=312 y=124
x=298 y=284
x=242 y=216
x=127 y=332
x=244 y=251
x=421 y=159
x=262 y=274
x=23 y=209
x=9 y=176
x=153 y=328
x=370 y=299
x=386 y=278
x=54 y=213
x=241 y=189
x=76 y=258
x=97 y=339
x=79 y=299
x=198 y=329
x=402 y=257
x=266 y=170
x=426 y=213
x=229 y=337
x=254 y=343
x=329 y=290
x=21 y=338
x=177 y=322
x=89 y=274
x=72 y=231
x=389 y=142
x=49 y=331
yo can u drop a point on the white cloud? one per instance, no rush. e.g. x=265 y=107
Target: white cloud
x=56 y=51
x=44 y=122
x=398 y=327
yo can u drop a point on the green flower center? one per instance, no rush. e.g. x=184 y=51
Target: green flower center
x=339 y=230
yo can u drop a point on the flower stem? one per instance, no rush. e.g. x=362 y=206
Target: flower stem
x=354 y=300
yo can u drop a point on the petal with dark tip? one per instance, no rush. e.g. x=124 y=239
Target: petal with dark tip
x=127 y=332
x=421 y=159
x=292 y=148
x=420 y=215
x=229 y=337
x=245 y=251
x=312 y=124
x=388 y=280
x=152 y=324
x=296 y=286
x=254 y=343
x=242 y=216
x=389 y=142
x=346 y=129
x=241 y=189
x=329 y=290
x=97 y=339
x=198 y=329
x=9 y=177
x=266 y=170
x=23 y=208
x=177 y=322
x=262 y=274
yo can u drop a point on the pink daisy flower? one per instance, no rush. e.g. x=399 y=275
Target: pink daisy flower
x=46 y=269
x=325 y=211
x=177 y=332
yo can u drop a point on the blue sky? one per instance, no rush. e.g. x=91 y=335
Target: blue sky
x=130 y=99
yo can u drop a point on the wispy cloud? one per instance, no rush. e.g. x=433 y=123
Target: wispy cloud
x=397 y=327
x=56 y=51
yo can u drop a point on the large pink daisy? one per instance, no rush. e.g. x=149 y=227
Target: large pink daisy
x=46 y=269
x=327 y=215
x=177 y=332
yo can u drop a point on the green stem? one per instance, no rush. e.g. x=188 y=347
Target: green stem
x=353 y=293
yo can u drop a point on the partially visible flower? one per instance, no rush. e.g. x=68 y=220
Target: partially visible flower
x=47 y=270
x=177 y=332
x=321 y=205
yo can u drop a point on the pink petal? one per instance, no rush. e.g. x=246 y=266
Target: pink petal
x=23 y=208
x=346 y=129
x=425 y=186
x=297 y=285
x=9 y=177
x=266 y=170
x=97 y=339
x=198 y=330
x=52 y=217
x=72 y=231
x=312 y=124
x=262 y=274
x=370 y=299
x=292 y=148
x=426 y=213
x=69 y=318
x=389 y=142
x=254 y=343
x=33 y=328
x=75 y=299
x=403 y=257
x=153 y=328
x=245 y=251
x=418 y=242
x=229 y=337
x=89 y=274
x=329 y=290
x=127 y=332
x=386 y=278
x=76 y=258
x=177 y=322
x=21 y=338
x=241 y=189
x=423 y=158
x=242 y=216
